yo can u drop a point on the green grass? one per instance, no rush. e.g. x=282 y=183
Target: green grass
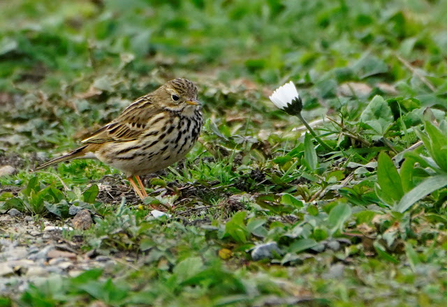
x=362 y=225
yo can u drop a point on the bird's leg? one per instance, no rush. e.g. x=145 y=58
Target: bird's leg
x=143 y=190
x=135 y=187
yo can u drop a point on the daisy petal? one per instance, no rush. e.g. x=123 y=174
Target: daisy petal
x=284 y=95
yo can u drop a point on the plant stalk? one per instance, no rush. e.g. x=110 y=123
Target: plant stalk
x=320 y=141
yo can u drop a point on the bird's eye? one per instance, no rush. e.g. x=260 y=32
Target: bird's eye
x=175 y=97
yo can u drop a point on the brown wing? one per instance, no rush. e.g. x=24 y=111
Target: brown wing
x=129 y=125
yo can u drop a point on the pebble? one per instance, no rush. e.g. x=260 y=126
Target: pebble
x=334 y=245
x=56 y=261
x=65 y=265
x=7 y=170
x=264 y=251
x=336 y=271
x=35 y=233
x=42 y=254
x=54 y=253
x=27 y=258
x=14 y=212
x=82 y=220
x=33 y=250
x=29 y=219
x=319 y=248
x=6 y=270
x=91 y=253
x=102 y=258
x=36 y=271
x=14 y=253
x=75 y=273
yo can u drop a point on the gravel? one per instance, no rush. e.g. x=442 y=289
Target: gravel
x=29 y=254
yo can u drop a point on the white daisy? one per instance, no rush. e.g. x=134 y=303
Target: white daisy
x=286 y=98
x=283 y=96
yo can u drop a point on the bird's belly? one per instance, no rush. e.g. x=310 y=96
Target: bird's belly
x=140 y=161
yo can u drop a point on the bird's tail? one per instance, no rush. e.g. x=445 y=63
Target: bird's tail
x=77 y=153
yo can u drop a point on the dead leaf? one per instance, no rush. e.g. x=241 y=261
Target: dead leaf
x=225 y=254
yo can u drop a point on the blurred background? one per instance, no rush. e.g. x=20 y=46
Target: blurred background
x=67 y=65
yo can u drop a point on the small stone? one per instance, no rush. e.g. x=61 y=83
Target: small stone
x=102 y=258
x=91 y=254
x=130 y=259
x=7 y=170
x=14 y=253
x=54 y=253
x=36 y=271
x=33 y=250
x=6 y=270
x=35 y=233
x=54 y=270
x=42 y=254
x=74 y=273
x=29 y=219
x=335 y=272
x=319 y=248
x=65 y=265
x=333 y=244
x=82 y=220
x=56 y=261
x=14 y=212
x=65 y=247
x=264 y=251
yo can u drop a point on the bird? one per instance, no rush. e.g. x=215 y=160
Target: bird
x=153 y=132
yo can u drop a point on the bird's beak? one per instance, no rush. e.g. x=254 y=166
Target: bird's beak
x=192 y=102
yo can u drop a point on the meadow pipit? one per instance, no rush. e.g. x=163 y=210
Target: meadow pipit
x=155 y=131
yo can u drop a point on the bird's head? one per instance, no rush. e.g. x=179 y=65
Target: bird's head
x=179 y=94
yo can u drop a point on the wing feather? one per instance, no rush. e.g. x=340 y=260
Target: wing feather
x=129 y=125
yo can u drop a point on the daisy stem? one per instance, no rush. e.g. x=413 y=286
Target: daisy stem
x=320 y=141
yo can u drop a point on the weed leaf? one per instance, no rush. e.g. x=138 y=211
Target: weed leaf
x=425 y=188
x=388 y=180
x=377 y=115
x=338 y=216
